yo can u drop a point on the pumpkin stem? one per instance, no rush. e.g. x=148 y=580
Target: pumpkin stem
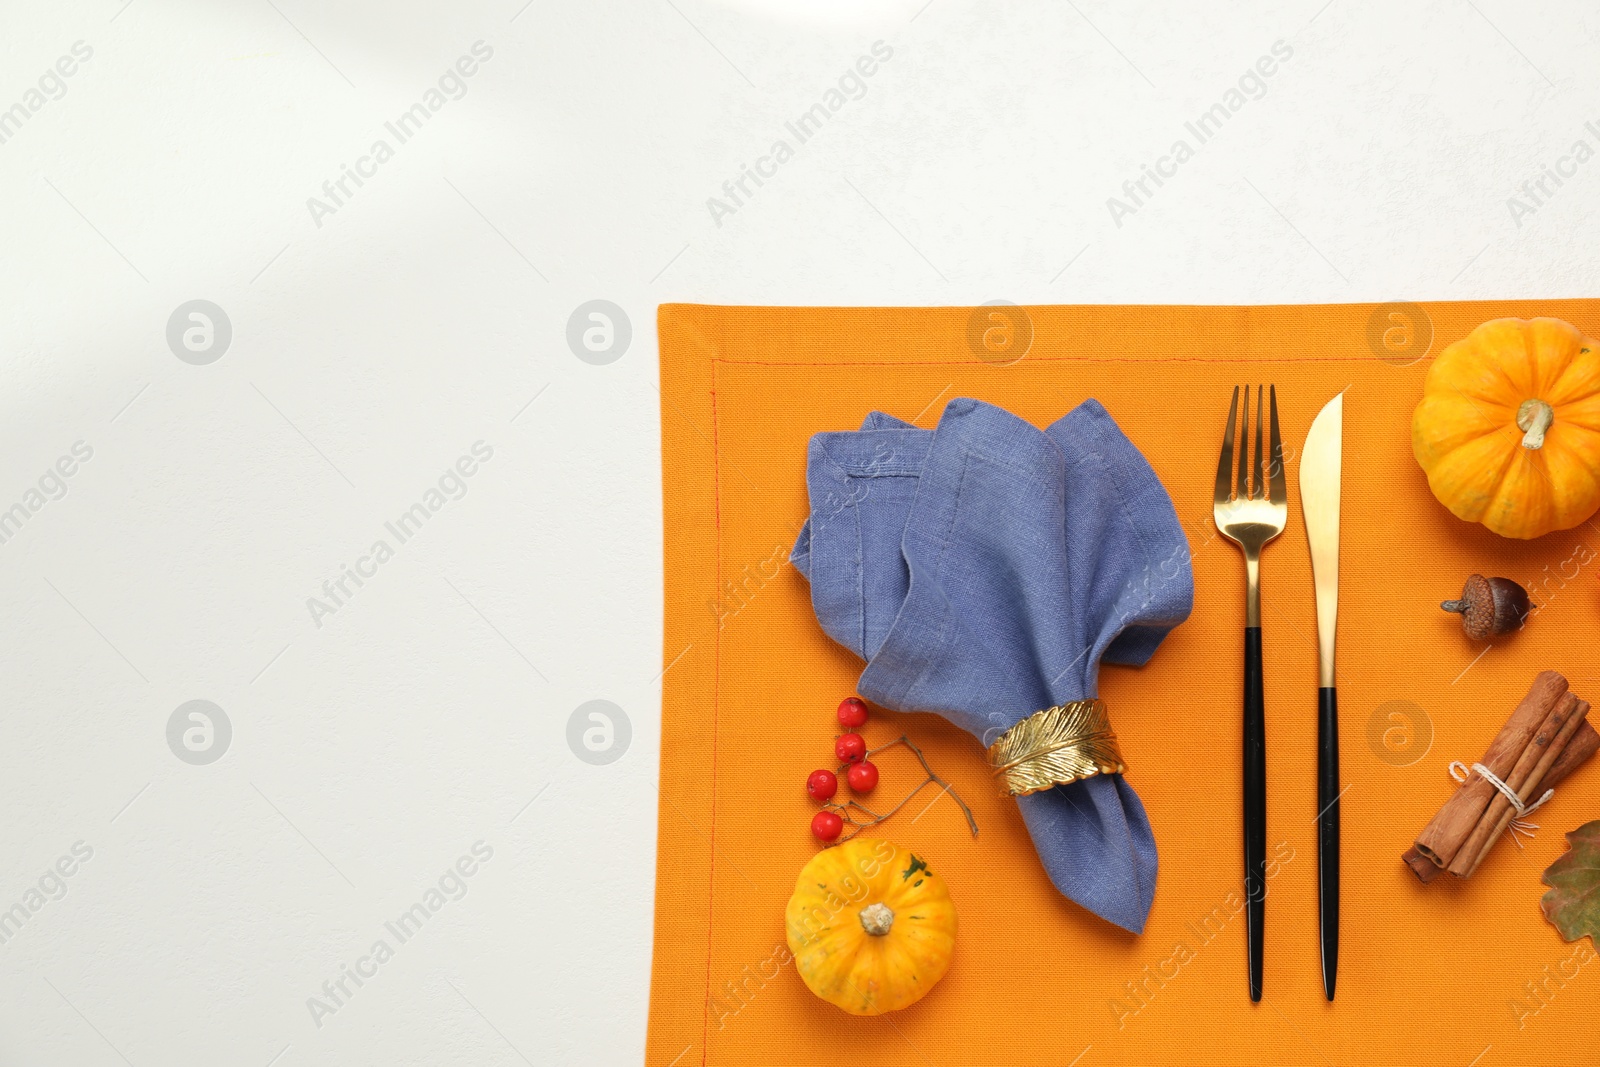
x=1534 y=418
x=876 y=919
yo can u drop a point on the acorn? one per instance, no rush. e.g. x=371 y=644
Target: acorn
x=1490 y=607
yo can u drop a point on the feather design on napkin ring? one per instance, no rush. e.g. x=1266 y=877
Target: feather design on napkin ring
x=1056 y=746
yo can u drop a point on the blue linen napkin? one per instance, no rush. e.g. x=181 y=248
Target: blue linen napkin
x=984 y=569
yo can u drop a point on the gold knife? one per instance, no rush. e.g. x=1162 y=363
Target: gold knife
x=1320 y=470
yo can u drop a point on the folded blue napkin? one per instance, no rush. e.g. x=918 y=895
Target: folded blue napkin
x=984 y=569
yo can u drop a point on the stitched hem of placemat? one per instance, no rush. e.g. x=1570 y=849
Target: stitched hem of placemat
x=1309 y=361
x=716 y=718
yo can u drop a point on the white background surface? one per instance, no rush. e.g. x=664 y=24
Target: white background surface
x=372 y=350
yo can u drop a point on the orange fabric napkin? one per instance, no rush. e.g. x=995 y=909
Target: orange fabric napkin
x=1449 y=973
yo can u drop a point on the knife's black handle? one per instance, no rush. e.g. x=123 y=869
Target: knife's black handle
x=1328 y=832
x=1255 y=805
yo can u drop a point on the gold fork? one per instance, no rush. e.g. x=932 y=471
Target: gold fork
x=1250 y=511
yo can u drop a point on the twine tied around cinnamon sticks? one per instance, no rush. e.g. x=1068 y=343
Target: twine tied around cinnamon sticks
x=1518 y=825
x=1546 y=739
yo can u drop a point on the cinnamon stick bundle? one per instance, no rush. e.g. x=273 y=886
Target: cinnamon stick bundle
x=1546 y=738
x=1585 y=743
x=1553 y=736
x=1442 y=838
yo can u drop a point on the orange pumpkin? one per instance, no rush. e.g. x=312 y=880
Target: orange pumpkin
x=872 y=929
x=1508 y=430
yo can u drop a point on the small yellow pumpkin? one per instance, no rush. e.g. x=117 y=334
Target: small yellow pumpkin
x=1508 y=430
x=871 y=927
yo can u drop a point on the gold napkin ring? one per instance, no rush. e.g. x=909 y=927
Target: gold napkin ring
x=1056 y=746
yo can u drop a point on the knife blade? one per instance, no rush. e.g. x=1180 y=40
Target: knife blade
x=1321 y=467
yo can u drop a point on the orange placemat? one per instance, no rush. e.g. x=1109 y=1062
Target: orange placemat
x=1450 y=973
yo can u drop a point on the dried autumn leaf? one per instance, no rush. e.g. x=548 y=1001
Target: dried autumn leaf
x=1573 y=902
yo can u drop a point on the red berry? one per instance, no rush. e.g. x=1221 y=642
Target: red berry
x=826 y=825
x=863 y=777
x=822 y=785
x=852 y=713
x=850 y=748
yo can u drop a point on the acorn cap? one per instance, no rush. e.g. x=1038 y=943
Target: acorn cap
x=1490 y=607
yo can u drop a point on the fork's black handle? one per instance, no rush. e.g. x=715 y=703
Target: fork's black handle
x=1255 y=805
x=1328 y=832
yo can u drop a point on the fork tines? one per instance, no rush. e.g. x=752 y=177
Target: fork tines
x=1252 y=482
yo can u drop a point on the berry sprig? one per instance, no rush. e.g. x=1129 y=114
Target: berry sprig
x=862 y=776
